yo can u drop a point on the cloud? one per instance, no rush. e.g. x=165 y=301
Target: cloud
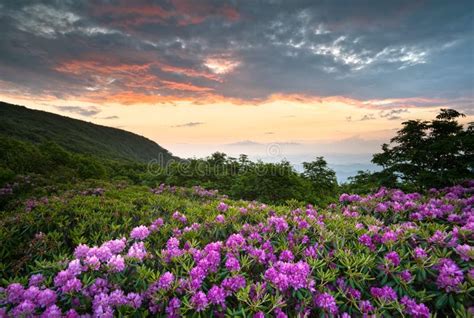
x=246 y=143
x=164 y=51
x=393 y=114
x=190 y=124
x=367 y=117
x=110 y=117
x=80 y=110
x=130 y=15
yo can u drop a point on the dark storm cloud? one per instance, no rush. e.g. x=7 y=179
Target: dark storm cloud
x=160 y=51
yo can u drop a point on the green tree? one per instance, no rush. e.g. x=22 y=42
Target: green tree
x=322 y=178
x=430 y=153
x=365 y=182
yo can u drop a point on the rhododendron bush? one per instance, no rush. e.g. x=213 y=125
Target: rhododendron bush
x=385 y=254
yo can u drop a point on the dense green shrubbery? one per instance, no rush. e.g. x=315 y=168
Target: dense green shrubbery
x=50 y=225
x=266 y=182
x=389 y=254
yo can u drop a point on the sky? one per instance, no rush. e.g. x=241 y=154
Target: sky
x=273 y=79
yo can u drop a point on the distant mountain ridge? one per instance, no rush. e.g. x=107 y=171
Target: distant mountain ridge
x=78 y=136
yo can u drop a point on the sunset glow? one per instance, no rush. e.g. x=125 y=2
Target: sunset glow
x=183 y=72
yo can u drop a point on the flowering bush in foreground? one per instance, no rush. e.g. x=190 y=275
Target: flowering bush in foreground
x=386 y=254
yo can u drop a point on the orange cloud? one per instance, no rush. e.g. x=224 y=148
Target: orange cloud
x=183 y=12
x=77 y=67
x=185 y=87
x=130 y=98
x=139 y=86
x=136 y=77
x=189 y=72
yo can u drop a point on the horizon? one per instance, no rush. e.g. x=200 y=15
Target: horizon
x=274 y=80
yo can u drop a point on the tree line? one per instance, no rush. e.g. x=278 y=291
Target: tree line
x=423 y=154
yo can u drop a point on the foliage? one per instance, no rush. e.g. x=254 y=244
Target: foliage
x=265 y=182
x=77 y=136
x=430 y=153
x=200 y=254
x=365 y=182
x=322 y=178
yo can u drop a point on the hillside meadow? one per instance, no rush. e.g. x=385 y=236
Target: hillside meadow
x=111 y=249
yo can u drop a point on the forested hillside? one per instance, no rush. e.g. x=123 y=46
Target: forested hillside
x=76 y=135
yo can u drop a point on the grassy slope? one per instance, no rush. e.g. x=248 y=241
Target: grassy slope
x=76 y=135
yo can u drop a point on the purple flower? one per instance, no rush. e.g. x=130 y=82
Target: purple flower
x=233 y=284
x=406 y=275
x=353 y=293
x=420 y=253
x=366 y=240
x=140 y=233
x=156 y=225
x=116 y=263
x=52 y=311
x=216 y=295
x=180 y=217
x=279 y=223
x=326 y=302
x=92 y=262
x=381 y=207
x=71 y=313
x=414 y=309
x=72 y=285
x=385 y=293
x=173 y=308
x=101 y=306
x=279 y=313
x=61 y=278
x=75 y=267
x=259 y=314
x=137 y=251
x=393 y=258
x=134 y=300
x=115 y=246
x=232 y=263
x=46 y=298
x=285 y=275
x=199 y=301
x=220 y=218
x=31 y=293
x=389 y=236
x=349 y=198
x=165 y=281
x=286 y=256
x=81 y=251
x=24 y=309
x=235 y=242
x=117 y=298
x=15 y=293
x=222 y=207
x=36 y=280
x=465 y=251
x=365 y=306
x=103 y=253
x=450 y=275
